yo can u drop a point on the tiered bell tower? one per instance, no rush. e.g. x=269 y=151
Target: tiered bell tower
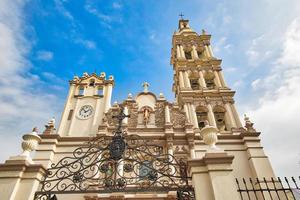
x=199 y=85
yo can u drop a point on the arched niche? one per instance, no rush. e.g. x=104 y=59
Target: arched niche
x=221 y=118
x=201 y=113
x=209 y=79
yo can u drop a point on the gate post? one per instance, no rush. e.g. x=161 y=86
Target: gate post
x=19 y=179
x=212 y=177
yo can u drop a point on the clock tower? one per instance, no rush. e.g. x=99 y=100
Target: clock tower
x=88 y=99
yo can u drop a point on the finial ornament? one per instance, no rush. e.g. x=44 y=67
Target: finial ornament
x=50 y=127
x=203 y=32
x=209 y=135
x=146 y=86
x=248 y=124
x=129 y=96
x=30 y=143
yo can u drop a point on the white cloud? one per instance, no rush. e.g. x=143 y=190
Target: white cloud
x=117 y=5
x=22 y=104
x=278 y=111
x=60 y=7
x=89 y=44
x=44 y=55
x=97 y=13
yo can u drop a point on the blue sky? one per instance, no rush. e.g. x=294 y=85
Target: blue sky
x=43 y=44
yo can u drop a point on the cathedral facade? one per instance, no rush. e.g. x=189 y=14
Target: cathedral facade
x=145 y=147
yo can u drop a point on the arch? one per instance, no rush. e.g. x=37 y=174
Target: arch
x=209 y=79
x=220 y=117
x=202 y=116
x=92 y=83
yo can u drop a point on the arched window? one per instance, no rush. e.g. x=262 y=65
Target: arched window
x=100 y=91
x=219 y=113
x=92 y=83
x=188 y=55
x=194 y=84
x=209 y=80
x=81 y=91
x=201 y=113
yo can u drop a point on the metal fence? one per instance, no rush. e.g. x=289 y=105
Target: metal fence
x=269 y=189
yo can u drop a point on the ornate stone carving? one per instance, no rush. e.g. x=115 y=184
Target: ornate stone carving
x=133 y=119
x=178 y=117
x=159 y=114
x=181 y=149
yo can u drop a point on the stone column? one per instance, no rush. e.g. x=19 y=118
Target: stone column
x=193 y=113
x=217 y=79
x=182 y=52
x=212 y=177
x=167 y=115
x=178 y=52
x=208 y=53
x=230 y=115
x=202 y=80
x=107 y=97
x=186 y=79
x=181 y=80
x=19 y=180
x=222 y=79
x=211 y=116
x=236 y=116
x=194 y=51
x=186 y=110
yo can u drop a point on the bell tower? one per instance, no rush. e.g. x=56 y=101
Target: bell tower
x=88 y=99
x=199 y=85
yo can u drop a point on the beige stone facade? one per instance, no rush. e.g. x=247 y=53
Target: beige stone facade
x=203 y=99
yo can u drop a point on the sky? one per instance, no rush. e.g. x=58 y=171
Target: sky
x=43 y=44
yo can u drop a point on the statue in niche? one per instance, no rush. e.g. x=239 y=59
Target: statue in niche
x=146 y=114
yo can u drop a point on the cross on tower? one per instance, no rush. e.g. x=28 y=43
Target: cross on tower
x=181 y=15
x=146 y=85
x=120 y=118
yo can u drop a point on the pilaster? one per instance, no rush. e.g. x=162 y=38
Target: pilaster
x=212 y=177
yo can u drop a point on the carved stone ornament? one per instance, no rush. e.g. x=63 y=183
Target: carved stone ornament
x=159 y=114
x=177 y=117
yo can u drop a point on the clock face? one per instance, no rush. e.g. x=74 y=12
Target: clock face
x=85 y=112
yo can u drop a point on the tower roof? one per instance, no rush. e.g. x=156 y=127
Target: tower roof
x=184 y=27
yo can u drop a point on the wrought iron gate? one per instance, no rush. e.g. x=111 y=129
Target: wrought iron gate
x=118 y=163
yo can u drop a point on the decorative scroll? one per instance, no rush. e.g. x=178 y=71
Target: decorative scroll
x=122 y=162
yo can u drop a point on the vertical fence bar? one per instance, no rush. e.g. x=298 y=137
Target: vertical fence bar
x=283 y=189
x=275 y=188
x=289 y=187
x=239 y=188
x=262 y=192
x=254 y=190
x=267 y=187
x=295 y=183
x=247 y=190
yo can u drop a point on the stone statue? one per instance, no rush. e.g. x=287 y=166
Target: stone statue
x=146 y=115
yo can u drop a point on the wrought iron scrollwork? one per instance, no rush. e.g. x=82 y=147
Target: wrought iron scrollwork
x=118 y=163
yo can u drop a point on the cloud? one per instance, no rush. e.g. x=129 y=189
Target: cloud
x=278 y=111
x=60 y=7
x=44 y=55
x=23 y=104
x=117 y=5
x=106 y=18
x=89 y=44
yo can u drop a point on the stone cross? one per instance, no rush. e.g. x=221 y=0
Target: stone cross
x=146 y=85
x=181 y=15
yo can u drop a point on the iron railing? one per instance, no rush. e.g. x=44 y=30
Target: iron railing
x=271 y=188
